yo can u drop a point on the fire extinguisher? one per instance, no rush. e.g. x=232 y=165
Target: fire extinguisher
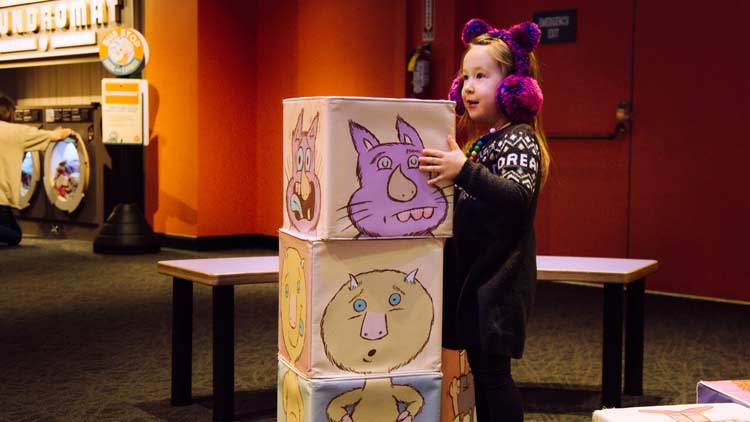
x=418 y=81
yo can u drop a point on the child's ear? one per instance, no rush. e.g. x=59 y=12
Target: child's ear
x=362 y=138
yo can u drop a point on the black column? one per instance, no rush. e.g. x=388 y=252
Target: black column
x=182 y=342
x=634 y=325
x=612 y=345
x=223 y=364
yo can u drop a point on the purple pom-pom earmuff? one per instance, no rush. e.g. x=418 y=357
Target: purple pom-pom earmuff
x=473 y=29
x=519 y=97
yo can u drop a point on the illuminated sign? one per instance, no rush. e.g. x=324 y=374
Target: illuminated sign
x=123 y=51
x=33 y=31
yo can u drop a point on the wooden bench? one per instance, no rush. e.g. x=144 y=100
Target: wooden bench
x=624 y=288
x=222 y=274
x=624 y=283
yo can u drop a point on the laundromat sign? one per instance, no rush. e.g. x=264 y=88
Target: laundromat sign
x=33 y=32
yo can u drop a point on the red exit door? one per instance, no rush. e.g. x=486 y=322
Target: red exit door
x=674 y=187
x=690 y=149
x=583 y=209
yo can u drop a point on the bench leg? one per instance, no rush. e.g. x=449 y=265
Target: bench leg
x=634 y=338
x=223 y=361
x=182 y=342
x=612 y=345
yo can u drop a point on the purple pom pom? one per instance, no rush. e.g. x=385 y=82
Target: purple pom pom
x=519 y=98
x=474 y=28
x=455 y=94
x=526 y=35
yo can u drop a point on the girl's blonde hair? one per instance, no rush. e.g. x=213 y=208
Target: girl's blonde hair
x=499 y=51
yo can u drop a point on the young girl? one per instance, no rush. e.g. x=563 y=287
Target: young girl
x=491 y=261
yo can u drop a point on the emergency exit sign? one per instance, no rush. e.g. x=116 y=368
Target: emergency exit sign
x=558 y=26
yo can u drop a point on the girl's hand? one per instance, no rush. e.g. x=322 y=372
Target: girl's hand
x=446 y=165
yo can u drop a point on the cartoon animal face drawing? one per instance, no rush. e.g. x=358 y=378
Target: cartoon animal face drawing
x=291 y=398
x=461 y=391
x=394 y=198
x=293 y=303
x=378 y=321
x=303 y=188
x=378 y=400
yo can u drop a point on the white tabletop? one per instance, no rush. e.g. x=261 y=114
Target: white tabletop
x=598 y=270
x=265 y=269
x=224 y=271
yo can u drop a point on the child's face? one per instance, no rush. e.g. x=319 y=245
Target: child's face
x=482 y=75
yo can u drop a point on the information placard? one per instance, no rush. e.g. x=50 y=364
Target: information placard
x=125 y=111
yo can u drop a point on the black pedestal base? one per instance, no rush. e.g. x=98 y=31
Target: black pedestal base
x=126 y=231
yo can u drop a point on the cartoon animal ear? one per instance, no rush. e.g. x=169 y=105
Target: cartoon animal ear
x=297 y=132
x=312 y=132
x=363 y=139
x=353 y=283
x=407 y=134
x=411 y=277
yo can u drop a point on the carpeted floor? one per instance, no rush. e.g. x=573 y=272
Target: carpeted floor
x=86 y=337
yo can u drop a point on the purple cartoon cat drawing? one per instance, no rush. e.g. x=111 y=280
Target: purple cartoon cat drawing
x=303 y=187
x=394 y=199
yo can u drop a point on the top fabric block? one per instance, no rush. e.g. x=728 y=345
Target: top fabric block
x=351 y=167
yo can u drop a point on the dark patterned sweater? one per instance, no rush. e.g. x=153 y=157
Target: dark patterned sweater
x=490 y=263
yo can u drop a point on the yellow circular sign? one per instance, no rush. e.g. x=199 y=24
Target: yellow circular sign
x=123 y=51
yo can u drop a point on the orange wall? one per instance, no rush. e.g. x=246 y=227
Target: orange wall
x=277 y=78
x=329 y=47
x=226 y=117
x=172 y=158
x=224 y=67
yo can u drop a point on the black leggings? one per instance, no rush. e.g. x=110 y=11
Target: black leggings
x=497 y=398
x=10 y=233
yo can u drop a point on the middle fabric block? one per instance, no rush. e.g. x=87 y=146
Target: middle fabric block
x=360 y=307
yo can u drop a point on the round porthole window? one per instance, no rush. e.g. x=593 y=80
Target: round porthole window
x=30 y=173
x=66 y=173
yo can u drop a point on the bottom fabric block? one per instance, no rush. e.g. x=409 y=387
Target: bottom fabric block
x=458 y=403
x=721 y=412
x=731 y=391
x=401 y=398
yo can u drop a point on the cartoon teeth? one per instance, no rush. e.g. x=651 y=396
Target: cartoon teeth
x=415 y=214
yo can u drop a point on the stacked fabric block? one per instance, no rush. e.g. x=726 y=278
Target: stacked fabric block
x=729 y=391
x=360 y=285
x=722 y=412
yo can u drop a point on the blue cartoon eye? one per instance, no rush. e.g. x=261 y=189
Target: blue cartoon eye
x=308 y=159
x=300 y=158
x=301 y=328
x=360 y=305
x=384 y=163
x=395 y=299
x=413 y=162
x=286 y=290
